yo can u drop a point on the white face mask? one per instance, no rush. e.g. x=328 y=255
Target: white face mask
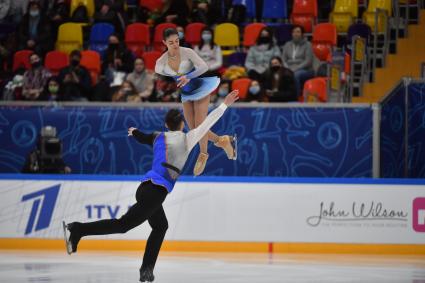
x=255 y=89
x=207 y=37
x=222 y=92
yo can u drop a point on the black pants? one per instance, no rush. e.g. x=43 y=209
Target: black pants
x=148 y=207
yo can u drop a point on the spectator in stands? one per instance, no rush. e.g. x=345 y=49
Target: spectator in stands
x=166 y=89
x=279 y=82
x=182 y=41
x=210 y=52
x=58 y=14
x=222 y=92
x=17 y=9
x=255 y=92
x=51 y=90
x=200 y=12
x=142 y=79
x=259 y=55
x=118 y=59
x=111 y=11
x=35 y=79
x=34 y=32
x=297 y=55
x=126 y=93
x=177 y=11
x=75 y=79
x=218 y=11
x=5 y=6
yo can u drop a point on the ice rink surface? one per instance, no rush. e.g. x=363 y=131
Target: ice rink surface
x=119 y=267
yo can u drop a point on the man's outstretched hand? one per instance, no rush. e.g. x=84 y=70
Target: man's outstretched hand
x=130 y=131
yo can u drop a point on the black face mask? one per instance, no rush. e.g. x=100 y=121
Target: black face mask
x=113 y=46
x=263 y=40
x=75 y=62
x=35 y=65
x=275 y=68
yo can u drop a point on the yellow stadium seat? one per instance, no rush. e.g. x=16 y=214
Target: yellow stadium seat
x=369 y=15
x=344 y=14
x=70 y=37
x=88 y=3
x=227 y=35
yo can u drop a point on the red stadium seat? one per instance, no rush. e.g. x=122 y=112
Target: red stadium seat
x=22 y=58
x=137 y=37
x=315 y=90
x=324 y=39
x=55 y=61
x=251 y=33
x=193 y=33
x=242 y=85
x=304 y=13
x=150 y=59
x=157 y=37
x=91 y=61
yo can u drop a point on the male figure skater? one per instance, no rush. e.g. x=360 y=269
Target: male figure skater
x=171 y=150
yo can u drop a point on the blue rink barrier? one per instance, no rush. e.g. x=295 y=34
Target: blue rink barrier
x=294 y=140
x=402 y=138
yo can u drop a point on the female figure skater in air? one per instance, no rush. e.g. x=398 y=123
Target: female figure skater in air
x=186 y=66
x=171 y=150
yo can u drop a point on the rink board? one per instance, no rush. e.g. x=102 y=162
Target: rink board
x=250 y=211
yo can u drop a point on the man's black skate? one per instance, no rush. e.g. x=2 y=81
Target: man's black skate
x=73 y=239
x=146 y=274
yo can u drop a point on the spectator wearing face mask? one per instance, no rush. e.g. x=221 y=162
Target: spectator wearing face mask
x=255 y=93
x=142 y=79
x=210 y=52
x=297 y=55
x=51 y=90
x=75 y=80
x=34 y=32
x=222 y=91
x=259 y=55
x=117 y=58
x=35 y=79
x=279 y=82
x=182 y=40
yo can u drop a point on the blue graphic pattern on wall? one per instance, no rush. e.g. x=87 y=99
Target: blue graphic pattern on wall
x=392 y=134
x=416 y=136
x=305 y=142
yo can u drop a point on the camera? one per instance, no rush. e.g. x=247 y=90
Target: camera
x=47 y=157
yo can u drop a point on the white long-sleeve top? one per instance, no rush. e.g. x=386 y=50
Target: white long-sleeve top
x=171 y=149
x=191 y=65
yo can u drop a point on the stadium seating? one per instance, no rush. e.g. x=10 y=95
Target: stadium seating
x=150 y=59
x=158 y=36
x=227 y=35
x=88 y=3
x=70 y=37
x=99 y=37
x=344 y=14
x=304 y=13
x=91 y=60
x=251 y=33
x=315 y=90
x=137 y=37
x=193 y=33
x=22 y=59
x=55 y=61
x=324 y=40
x=242 y=85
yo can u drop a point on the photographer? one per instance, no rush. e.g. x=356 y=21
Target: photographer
x=47 y=157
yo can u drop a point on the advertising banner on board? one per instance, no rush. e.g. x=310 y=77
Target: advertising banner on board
x=225 y=211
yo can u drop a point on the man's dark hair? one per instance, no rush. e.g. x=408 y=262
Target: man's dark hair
x=298 y=27
x=173 y=119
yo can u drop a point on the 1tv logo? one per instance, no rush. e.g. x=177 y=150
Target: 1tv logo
x=42 y=208
x=419 y=214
